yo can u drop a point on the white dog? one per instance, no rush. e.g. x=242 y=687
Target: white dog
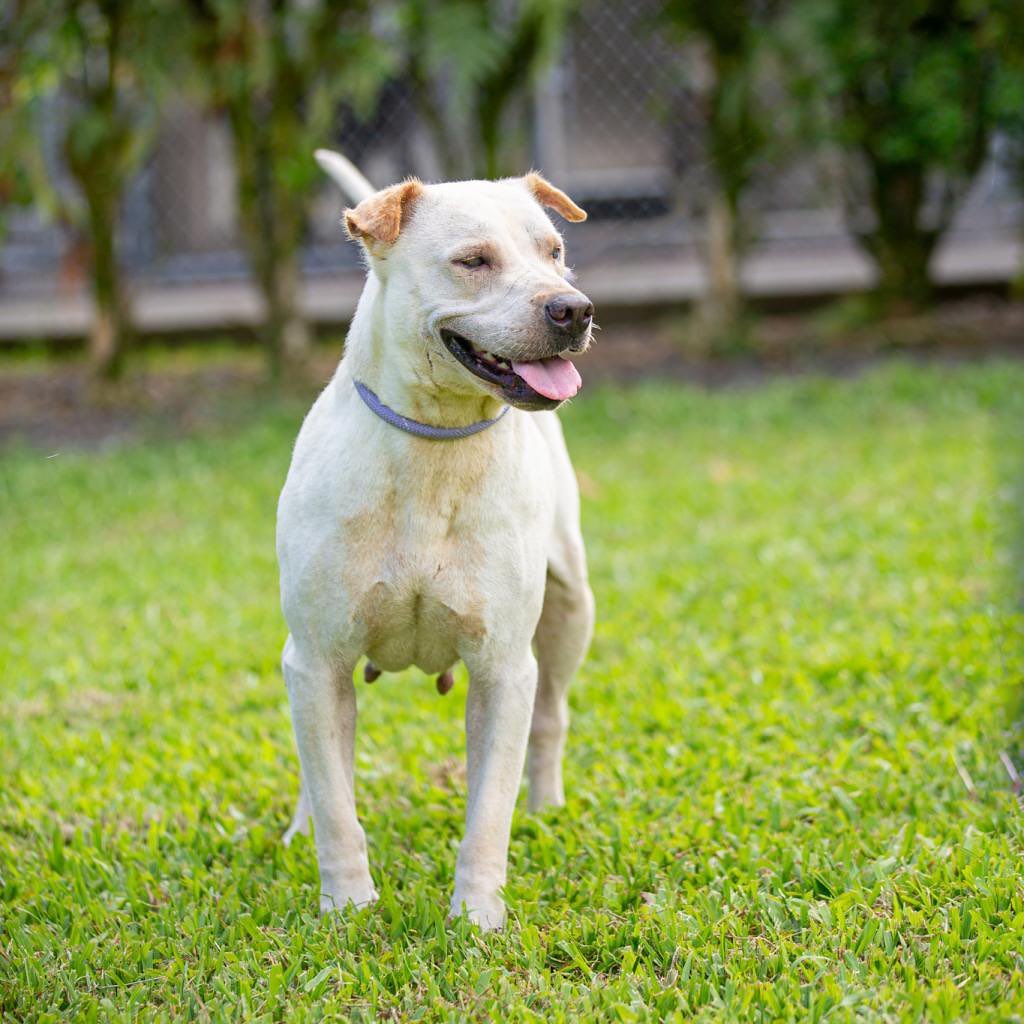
x=431 y=513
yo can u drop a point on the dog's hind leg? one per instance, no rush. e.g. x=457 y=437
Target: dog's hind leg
x=561 y=641
x=563 y=632
x=300 y=819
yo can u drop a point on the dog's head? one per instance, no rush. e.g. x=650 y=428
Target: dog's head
x=475 y=272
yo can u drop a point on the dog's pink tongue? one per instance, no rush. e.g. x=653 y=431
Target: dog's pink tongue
x=555 y=378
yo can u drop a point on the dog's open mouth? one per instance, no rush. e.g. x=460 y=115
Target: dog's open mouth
x=537 y=384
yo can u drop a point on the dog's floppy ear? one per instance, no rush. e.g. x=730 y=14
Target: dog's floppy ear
x=547 y=195
x=379 y=217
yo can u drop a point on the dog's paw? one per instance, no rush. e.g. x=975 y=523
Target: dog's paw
x=543 y=796
x=349 y=899
x=486 y=912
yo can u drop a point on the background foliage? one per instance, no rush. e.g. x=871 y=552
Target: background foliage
x=907 y=96
x=911 y=94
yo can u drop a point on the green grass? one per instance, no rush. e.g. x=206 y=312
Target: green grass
x=807 y=622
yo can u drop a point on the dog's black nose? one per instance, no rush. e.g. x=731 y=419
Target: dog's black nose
x=570 y=313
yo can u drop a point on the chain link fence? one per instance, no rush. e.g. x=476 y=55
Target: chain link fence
x=615 y=123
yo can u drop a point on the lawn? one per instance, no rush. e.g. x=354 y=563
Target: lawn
x=786 y=800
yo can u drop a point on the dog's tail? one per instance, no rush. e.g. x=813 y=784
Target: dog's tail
x=345 y=175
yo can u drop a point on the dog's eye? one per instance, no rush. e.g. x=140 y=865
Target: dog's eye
x=473 y=262
x=556 y=253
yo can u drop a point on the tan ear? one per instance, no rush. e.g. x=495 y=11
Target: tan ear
x=379 y=217
x=547 y=195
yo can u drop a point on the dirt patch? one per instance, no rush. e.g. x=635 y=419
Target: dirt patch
x=55 y=405
x=58 y=405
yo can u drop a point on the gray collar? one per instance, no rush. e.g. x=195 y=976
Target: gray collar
x=414 y=427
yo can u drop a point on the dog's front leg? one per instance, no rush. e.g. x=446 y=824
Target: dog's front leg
x=323 y=703
x=498 y=710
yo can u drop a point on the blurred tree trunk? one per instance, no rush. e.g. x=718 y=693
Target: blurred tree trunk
x=103 y=64
x=910 y=94
x=721 y=304
x=97 y=145
x=448 y=148
x=520 y=61
x=272 y=223
x=727 y=40
x=729 y=110
x=111 y=325
x=279 y=71
x=898 y=243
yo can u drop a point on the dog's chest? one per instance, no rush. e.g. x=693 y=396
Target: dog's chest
x=414 y=582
